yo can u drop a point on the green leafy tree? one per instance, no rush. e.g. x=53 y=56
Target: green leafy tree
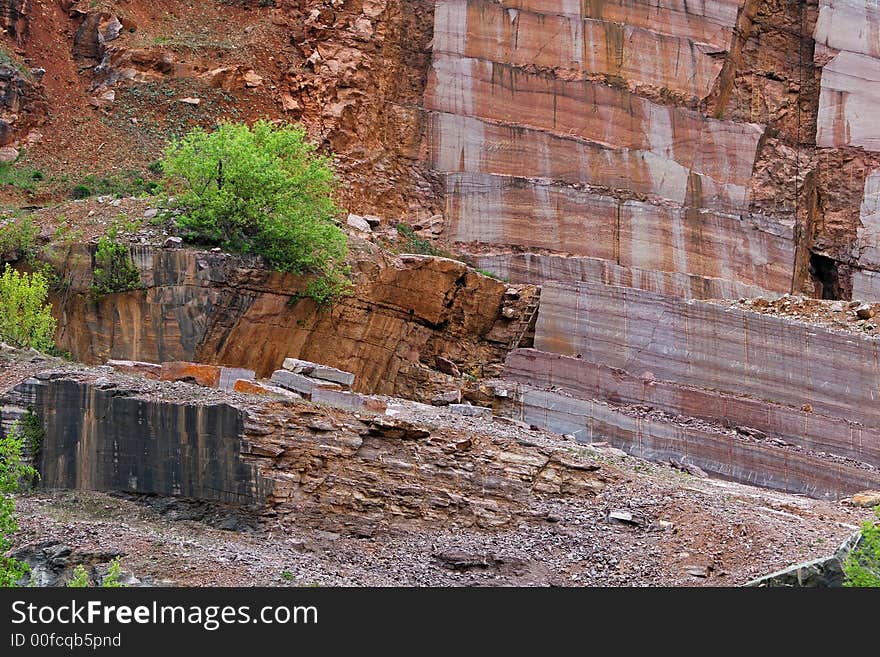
x=25 y=317
x=862 y=566
x=264 y=190
x=114 y=271
x=80 y=578
x=14 y=475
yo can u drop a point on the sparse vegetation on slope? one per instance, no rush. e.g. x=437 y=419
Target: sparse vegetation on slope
x=114 y=269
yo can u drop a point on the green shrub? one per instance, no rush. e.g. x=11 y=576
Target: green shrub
x=80 y=579
x=25 y=317
x=13 y=475
x=18 y=241
x=114 y=271
x=111 y=581
x=862 y=566
x=80 y=192
x=263 y=190
x=414 y=244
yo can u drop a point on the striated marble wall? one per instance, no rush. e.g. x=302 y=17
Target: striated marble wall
x=577 y=129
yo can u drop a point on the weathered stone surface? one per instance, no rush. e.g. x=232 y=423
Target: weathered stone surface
x=317 y=371
x=868 y=235
x=251 y=387
x=299 y=383
x=446 y=398
x=850 y=91
x=348 y=400
x=229 y=376
x=711 y=21
x=721 y=454
x=848 y=25
x=214 y=308
x=586 y=380
x=149 y=370
x=721 y=153
x=712 y=346
x=477 y=28
x=462 y=144
x=819 y=573
x=866 y=285
x=358 y=223
x=866 y=498
x=204 y=375
x=538 y=268
x=100 y=439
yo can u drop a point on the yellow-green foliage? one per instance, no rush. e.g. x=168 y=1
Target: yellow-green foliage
x=862 y=566
x=25 y=317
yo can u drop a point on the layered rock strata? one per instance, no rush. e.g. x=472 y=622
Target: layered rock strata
x=218 y=309
x=743 y=395
x=290 y=461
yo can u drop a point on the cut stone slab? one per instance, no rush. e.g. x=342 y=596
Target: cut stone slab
x=204 y=375
x=299 y=383
x=348 y=400
x=149 y=370
x=317 y=371
x=230 y=375
x=251 y=387
x=471 y=411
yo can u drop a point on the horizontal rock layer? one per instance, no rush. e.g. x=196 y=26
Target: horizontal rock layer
x=462 y=144
x=290 y=461
x=721 y=151
x=498 y=210
x=104 y=439
x=539 y=268
x=710 y=21
x=486 y=29
x=719 y=454
x=712 y=346
x=586 y=380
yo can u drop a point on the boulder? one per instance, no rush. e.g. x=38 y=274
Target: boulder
x=359 y=223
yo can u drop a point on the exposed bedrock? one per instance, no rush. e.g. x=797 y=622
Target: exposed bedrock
x=292 y=462
x=764 y=420
x=723 y=454
x=713 y=346
x=749 y=396
x=214 y=308
x=558 y=134
x=101 y=437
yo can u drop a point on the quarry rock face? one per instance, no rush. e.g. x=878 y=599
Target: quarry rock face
x=290 y=461
x=217 y=309
x=636 y=159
